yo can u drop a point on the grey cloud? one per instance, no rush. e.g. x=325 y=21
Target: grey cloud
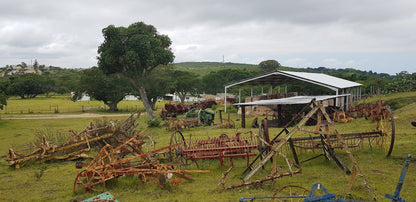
x=67 y=33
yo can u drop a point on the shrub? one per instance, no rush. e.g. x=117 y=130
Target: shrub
x=153 y=124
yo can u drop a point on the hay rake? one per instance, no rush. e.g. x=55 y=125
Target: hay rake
x=110 y=164
x=239 y=145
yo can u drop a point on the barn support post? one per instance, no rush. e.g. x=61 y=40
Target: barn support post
x=343 y=100
x=345 y=103
x=251 y=97
x=336 y=99
x=354 y=95
x=239 y=95
x=243 y=116
x=347 y=99
x=225 y=101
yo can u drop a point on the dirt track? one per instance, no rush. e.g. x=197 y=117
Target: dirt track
x=62 y=116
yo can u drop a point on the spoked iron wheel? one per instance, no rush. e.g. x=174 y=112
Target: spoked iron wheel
x=387 y=128
x=176 y=153
x=290 y=191
x=88 y=179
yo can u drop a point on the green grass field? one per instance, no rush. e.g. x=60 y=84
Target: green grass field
x=59 y=104
x=57 y=180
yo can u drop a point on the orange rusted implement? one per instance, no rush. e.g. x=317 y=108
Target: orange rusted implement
x=381 y=137
x=73 y=145
x=325 y=130
x=181 y=123
x=240 y=145
x=110 y=163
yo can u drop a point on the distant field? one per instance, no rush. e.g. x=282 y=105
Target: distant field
x=57 y=181
x=63 y=104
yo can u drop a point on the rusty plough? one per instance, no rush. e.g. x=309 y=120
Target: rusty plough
x=110 y=164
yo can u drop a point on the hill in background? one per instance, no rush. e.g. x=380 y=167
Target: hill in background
x=203 y=68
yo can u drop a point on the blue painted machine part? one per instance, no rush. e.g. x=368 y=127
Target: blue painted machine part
x=106 y=196
x=396 y=196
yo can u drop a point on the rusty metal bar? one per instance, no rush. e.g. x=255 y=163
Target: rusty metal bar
x=279 y=144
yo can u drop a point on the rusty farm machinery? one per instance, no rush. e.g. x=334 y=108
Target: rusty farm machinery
x=379 y=137
x=73 y=145
x=239 y=145
x=172 y=110
x=128 y=159
x=193 y=118
x=323 y=136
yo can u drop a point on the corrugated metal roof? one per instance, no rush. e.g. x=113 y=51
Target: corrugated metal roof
x=324 y=78
x=291 y=100
x=286 y=77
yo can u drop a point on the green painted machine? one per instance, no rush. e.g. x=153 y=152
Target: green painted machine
x=205 y=116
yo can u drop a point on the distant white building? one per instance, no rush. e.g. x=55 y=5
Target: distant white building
x=131 y=98
x=175 y=98
x=86 y=97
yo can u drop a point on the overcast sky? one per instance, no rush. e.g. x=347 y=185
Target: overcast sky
x=377 y=35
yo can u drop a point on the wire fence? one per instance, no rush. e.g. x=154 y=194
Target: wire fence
x=65 y=109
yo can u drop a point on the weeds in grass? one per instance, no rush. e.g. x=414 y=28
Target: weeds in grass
x=153 y=124
x=39 y=173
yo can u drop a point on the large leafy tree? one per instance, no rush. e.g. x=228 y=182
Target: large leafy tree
x=27 y=85
x=111 y=89
x=402 y=82
x=3 y=100
x=133 y=52
x=185 y=83
x=3 y=96
x=49 y=85
x=268 y=66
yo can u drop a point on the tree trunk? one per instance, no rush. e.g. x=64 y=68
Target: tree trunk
x=182 y=97
x=112 y=106
x=147 y=106
x=153 y=103
x=143 y=97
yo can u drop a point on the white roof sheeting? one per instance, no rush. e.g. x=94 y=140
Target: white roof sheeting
x=324 y=78
x=291 y=100
x=285 y=77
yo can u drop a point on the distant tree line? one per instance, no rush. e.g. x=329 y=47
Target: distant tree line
x=111 y=89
